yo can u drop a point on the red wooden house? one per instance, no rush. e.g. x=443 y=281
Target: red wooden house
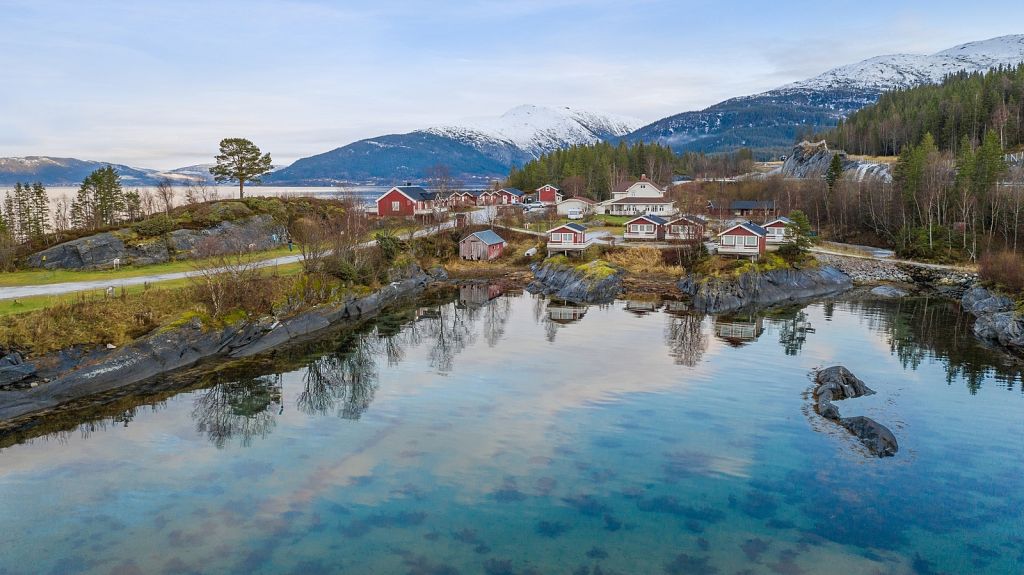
x=482 y=245
x=645 y=227
x=745 y=239
x=407 y=201
x=548 y=195
x=779 y=231
x=568 y=238
x=686 y=229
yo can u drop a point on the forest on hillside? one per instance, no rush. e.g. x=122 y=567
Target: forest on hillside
x=592 y=171
x=965 y=107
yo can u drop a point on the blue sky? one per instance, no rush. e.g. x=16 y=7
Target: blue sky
x=157 y=84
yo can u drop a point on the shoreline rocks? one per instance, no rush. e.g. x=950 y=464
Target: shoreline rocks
x=755 y=289
x=184 y=346
x=596 y=282
x=996 y=320
x=837 y=383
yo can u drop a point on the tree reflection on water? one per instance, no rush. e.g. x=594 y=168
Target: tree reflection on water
x=242 y=409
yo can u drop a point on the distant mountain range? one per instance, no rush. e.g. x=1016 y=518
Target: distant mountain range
x=474 y=151
x=486 y=149
x=771 y=120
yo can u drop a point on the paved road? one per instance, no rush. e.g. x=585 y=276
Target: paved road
x=71 y=287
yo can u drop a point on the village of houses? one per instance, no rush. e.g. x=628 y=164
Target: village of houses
x=742 y=229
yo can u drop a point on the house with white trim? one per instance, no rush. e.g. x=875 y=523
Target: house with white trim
x=646 y=227
x=745 y=239
x=779 y=231
x=568 y=238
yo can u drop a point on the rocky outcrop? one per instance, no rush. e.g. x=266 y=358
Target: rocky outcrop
x=837 y=383
x=186 y=345
x=756 y=289
x=996 y=320
x=810 y=160
x=101 y=250
x=15 y=372
x=595 y=282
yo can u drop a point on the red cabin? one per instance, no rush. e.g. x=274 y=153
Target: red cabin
x=548 y=195
x=405 y=201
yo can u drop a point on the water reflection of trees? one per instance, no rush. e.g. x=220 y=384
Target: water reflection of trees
x=919 y=329
x=793 y=327
x=242 y=409
x=685 y=338
x=345 y=382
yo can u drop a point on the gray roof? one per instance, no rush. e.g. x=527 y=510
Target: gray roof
x=782 y=219
x=488 y=237
x=572 y=226
x=513 y=191
x=692 y=219
x=650 y=218
x=752 y=205
x=416 y=192
x=749 y=226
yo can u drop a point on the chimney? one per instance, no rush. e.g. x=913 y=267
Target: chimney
x=408 y=184
x=643 y=177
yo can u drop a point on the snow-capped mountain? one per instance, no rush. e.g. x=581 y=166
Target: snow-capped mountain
x=64 y=171
x=477 y=150
x=884 y=73
x=771 y=120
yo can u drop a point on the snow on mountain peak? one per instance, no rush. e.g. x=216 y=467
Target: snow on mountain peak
x=883 y=73
x=538 y=129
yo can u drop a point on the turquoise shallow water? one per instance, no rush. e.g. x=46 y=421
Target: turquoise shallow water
x=526 y=436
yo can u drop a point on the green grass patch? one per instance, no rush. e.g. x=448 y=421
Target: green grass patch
x=46 y=277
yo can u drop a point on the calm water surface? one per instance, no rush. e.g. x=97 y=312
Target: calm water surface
x=518 y=435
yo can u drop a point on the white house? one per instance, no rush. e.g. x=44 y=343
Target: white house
x=576 y=206
x=636 y=198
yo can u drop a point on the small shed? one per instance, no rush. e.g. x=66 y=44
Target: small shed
x=483 y=245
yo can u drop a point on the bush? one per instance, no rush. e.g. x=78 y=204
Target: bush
x=154 y=226
x=1004 y=269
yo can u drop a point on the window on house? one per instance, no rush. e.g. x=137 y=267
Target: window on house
x=728 y=240
x=395 y=206
x=751 y=241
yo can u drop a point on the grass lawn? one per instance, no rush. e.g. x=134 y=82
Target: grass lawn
x=44 y=277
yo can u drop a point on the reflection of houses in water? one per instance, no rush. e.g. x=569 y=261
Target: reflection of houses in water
x=475 y=295
x=739 y=330
x=642 y=307
x=675 y=307
x=564 y=312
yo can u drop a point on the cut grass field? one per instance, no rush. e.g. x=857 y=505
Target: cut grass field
x=46 y=277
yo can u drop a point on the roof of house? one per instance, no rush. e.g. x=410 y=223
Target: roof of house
x=749 y=226
x=692 y=219
x=780 y=219
x=623 y=186
x=642 y=201
x=752 y=205
x=486 y=236
x=650 y=218
x=579 y=199
x=571 y=225
x=513 y=191
x=416 y=193
x=556 y=188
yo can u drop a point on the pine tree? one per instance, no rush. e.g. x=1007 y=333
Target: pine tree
x=834 y=173
x=240 y=161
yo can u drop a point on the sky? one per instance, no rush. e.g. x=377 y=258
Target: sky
x=158 y=84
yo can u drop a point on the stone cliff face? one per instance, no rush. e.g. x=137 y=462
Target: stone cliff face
x=811 y=161
x=755 y=289
x=101 y=250
x=575 y=284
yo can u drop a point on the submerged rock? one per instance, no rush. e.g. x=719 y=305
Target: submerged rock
x=755 y=289
x=837 y=383
x=875 y=436
x=888 y=291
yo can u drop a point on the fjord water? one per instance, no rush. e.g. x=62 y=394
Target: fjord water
x=521 y=435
